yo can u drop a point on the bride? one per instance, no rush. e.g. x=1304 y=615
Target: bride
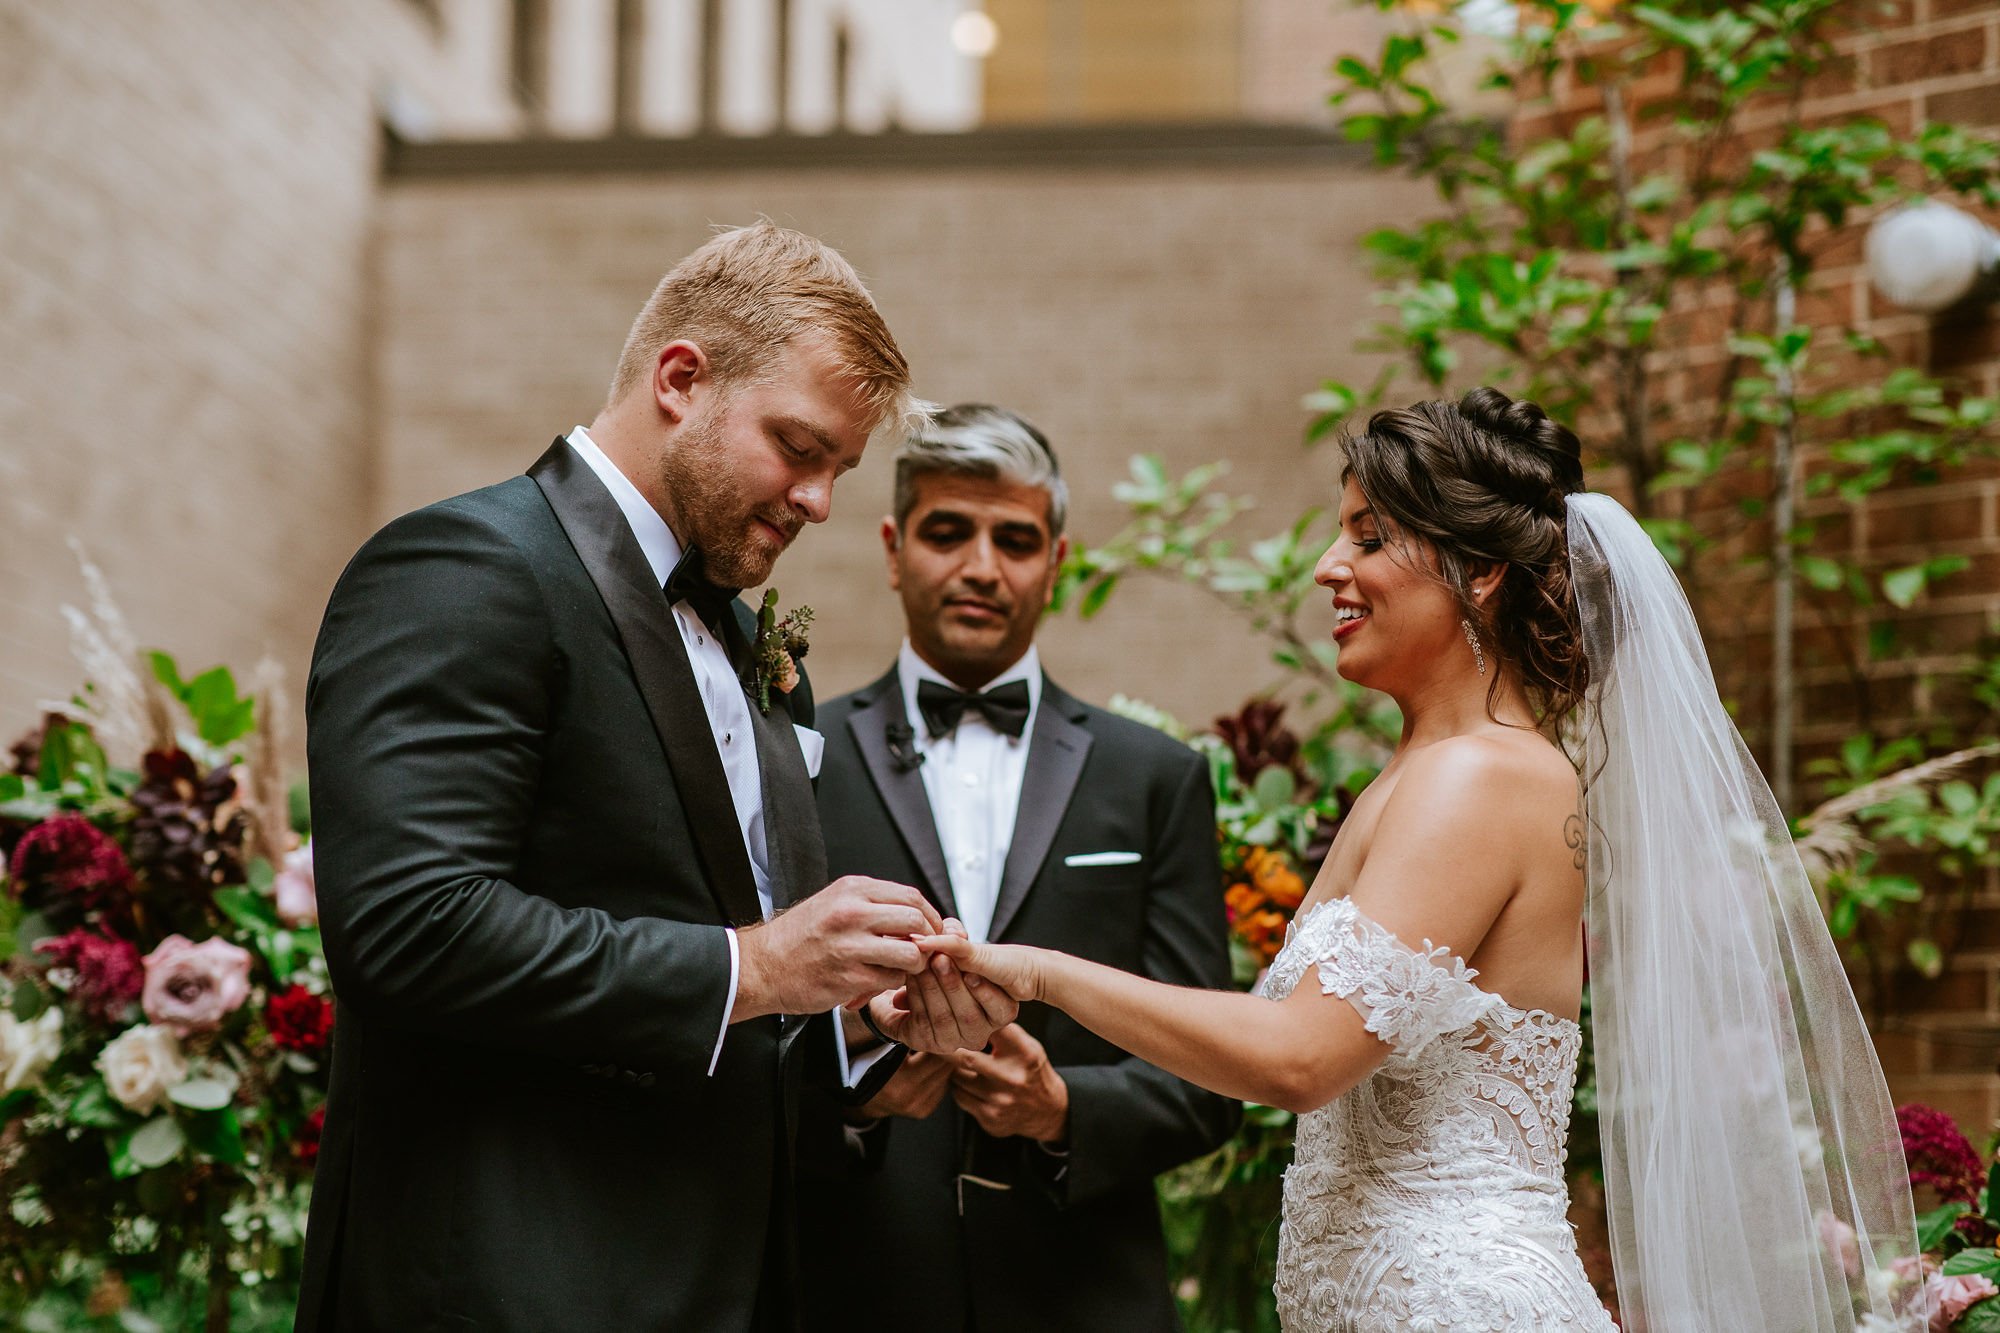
x=1564 y=759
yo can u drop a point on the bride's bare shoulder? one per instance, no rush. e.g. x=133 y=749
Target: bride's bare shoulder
x=1490 y=775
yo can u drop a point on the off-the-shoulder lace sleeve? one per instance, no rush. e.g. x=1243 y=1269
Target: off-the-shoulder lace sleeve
x=1408 y=998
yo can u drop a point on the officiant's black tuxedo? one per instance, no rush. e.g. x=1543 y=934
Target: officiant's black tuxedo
x=1073 y=1243
x=526 y=849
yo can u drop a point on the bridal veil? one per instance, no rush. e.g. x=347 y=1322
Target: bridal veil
x=1753 y=1169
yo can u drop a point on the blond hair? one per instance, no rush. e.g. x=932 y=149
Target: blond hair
x=748 y=295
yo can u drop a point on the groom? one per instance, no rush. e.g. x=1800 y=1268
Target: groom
x=554 y=823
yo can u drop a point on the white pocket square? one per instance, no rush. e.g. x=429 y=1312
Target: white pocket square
x=813 y=746
x=1102 y=859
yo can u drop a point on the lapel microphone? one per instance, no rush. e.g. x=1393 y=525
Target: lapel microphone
x=903 y=751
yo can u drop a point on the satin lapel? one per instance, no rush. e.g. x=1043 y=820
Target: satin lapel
x=611 y=556
x=901 y=788
x=796 y=850
x=1055 y=762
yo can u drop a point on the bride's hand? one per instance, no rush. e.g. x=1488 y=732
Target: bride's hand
x=1014 y=968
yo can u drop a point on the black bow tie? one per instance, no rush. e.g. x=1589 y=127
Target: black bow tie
x=1005 y=707
x=689 y=583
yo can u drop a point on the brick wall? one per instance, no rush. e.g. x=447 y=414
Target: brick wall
x=1174 y=310
x=188 y=198
x=1905 y=63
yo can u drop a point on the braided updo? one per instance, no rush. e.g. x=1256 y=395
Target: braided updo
x=1486 y=479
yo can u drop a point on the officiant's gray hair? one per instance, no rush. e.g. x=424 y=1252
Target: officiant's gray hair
x=984 y=441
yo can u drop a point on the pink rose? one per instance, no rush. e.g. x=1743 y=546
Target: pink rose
x=1950 y=1297
x=1841 y=1243
x=193 y=987
x=298 y=899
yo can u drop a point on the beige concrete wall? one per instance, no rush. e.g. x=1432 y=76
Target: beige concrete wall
x=185 y=202
x=1182 y=311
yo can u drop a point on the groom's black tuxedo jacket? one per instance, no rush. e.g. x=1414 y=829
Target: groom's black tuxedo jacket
x=1060 y=1249
x=525 y=849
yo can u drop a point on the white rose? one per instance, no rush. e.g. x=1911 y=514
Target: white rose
x=140 y=1064
x=27 y=1049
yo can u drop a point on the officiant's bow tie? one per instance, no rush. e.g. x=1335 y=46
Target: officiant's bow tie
x=689 y=583
x=1005 y=707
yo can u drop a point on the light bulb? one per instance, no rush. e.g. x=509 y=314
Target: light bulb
x=1928 y=255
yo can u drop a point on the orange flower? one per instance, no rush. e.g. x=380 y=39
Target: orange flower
x=1275 y=879
x=1241 y=900
x=1263 y=931
x=1284 y=888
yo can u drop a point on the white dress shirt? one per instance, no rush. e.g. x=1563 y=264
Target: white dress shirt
x=972 y=775
x=972 y=781
x=722 y=695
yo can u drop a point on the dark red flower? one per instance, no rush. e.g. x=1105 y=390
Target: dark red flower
x=306 y=1145
x=68 y=857
x=299 y=1020
x=1939 y=1154
x=1259 y=739
x=105 y=973
x=187 y=835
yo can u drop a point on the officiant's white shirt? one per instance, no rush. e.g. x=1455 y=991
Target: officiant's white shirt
x=722 y=696
x=973 y=776
x=972 y=782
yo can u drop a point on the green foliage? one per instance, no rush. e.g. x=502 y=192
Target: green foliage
x=219 y=713
x=1936 y=1227
x=92 y=1296
x=1219 y=1214
x=1551 y=265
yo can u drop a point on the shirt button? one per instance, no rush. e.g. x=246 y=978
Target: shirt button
x=971 y=779
x=698 y=641
x=728 y=736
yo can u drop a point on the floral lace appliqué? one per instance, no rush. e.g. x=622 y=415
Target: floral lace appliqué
x=1431 y=1196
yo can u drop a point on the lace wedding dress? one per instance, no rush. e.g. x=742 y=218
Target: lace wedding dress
x=1430 y=1197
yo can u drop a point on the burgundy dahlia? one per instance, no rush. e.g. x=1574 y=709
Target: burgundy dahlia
x=1259 y=739
x=67 y=857
x=102 y=973
x=186 y=835
x=299 y=1020
x=1938 y=1154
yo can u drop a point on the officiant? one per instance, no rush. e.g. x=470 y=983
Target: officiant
x=1015 y=1185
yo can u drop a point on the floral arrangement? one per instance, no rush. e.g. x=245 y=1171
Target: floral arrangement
x=164 y=1008
x=1276 y=818
x=1959 y=1267
x=1279 y=802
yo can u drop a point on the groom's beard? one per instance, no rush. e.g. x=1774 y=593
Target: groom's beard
x=736 y=553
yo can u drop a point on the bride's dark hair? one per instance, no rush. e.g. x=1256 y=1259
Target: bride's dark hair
x=1486 y=480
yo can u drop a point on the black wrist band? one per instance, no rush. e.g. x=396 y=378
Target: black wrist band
x=868 y=1021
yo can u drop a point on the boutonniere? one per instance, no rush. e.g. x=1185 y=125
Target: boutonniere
x=778 y=647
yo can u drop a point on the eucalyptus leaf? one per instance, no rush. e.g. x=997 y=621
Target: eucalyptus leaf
x=29 y=1002
x=156 y=1142
x=202 y=1094
x=1275 y=788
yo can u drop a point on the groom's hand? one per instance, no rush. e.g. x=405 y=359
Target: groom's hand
x=851 y=938
x=941 y=1008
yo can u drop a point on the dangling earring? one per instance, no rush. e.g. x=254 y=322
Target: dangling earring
x=1472 y=637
